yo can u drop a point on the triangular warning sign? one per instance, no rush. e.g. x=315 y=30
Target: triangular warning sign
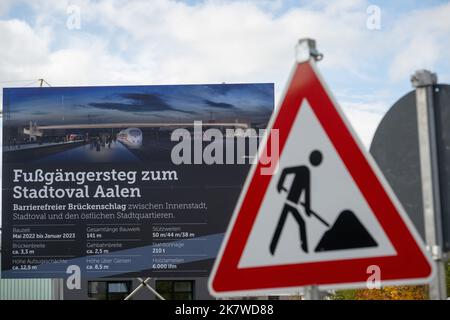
x=325 y=217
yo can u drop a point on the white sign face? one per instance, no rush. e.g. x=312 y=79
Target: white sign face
x=338 y=205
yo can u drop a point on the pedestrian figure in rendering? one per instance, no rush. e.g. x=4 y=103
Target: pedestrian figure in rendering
x=301 y=185
x=97 y=144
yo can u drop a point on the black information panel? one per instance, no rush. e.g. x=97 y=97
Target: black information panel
x=124 y=181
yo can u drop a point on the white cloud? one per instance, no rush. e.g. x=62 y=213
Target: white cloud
x=155 y=42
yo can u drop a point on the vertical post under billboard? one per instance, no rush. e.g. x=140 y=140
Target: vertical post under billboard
x=424 y=82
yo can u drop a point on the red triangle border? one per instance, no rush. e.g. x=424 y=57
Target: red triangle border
x=409 y=264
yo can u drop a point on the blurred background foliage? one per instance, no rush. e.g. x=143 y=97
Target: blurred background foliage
x=388 y=293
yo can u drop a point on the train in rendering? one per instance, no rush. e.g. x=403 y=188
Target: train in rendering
x=75 y=137
x=131 y=137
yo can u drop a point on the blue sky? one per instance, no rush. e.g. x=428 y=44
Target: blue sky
x=141 y=42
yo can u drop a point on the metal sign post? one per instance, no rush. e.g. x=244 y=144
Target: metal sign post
x=424 y=82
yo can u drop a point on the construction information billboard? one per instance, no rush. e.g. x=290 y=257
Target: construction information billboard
x=124 y=181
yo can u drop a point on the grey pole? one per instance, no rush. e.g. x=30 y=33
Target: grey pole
x=424 y=82
x=131 y=295
x=58 y=289
x=144 y=284
x=305 y=50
